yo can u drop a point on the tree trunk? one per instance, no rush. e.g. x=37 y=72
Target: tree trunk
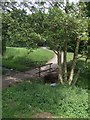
x=65 y=62
x=74 y=61
x=59 y=67
x=65 y=49
x=62 y=57
x=77 y=76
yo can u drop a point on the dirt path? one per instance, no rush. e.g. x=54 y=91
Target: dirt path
x=8 y=80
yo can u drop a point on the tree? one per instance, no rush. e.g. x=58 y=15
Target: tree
x=5 y=35
x=18 y=28
x=62 y=27
x=59 y=26
x=87 y=10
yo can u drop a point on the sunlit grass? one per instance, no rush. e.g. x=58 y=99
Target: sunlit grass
x=22 y=59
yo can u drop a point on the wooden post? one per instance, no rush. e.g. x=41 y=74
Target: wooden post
x=50 y=68
x=39 y=71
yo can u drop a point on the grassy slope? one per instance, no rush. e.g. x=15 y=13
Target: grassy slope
x=19 y=59
x=25 y=100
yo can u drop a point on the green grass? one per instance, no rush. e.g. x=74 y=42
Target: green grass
x=21 y=59
x=26 y=100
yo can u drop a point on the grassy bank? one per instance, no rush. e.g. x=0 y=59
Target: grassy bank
x=21 y=59
x=26 y=100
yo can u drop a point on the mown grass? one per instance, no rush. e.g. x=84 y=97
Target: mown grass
x=27 y=99
x=21 y=59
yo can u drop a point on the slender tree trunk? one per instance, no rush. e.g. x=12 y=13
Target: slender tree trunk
x=65 y=62
x=62 y=57
x=74 y=61
x=65 y=49
x=77 y=76
x=79 y=71
x=59 y=67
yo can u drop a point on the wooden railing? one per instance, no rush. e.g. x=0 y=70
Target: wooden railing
x=49 y=69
